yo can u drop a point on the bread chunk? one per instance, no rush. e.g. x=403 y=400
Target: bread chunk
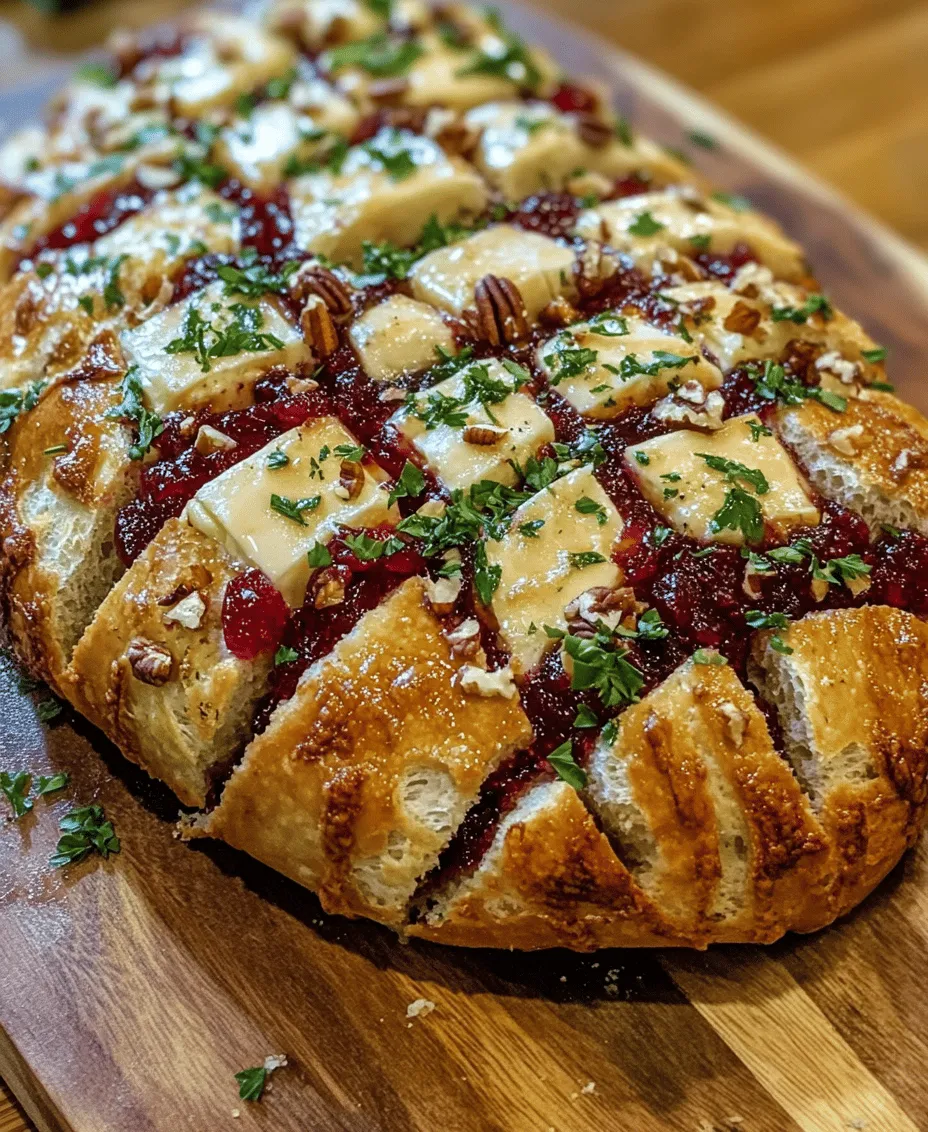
x=153 y=671
x=361 y=779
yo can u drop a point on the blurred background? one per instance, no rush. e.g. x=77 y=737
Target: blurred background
x=840 y=84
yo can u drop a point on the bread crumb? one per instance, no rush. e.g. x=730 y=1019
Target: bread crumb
x=275 y=1061
x=236 y=1113
x=589 y=1087
x=420 y=1008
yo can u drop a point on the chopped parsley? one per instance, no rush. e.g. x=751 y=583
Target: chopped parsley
x=15 y=401
x=703 y=140
x=112 y=295
x=368 y=549
x=380 y=55
x=699 y=243
x=758 y=430
x=251 y=1083
x=531 y=528
x=876 y=355
x=564 y=765
x=773 y=385
x=566 y=359
x=814 y=304
x=15 y=788
x=641 y=458
x=354 y=453
x=645 y=225
x=255 y=279
x=709 y=657
x=50 y=784
x=735 y=472
x=97 y=74
x=587 y=506
x=396 y=160
x=600 y=665
x=514 y=62
x=278 y=459
x=206 y=340
x=387 y=259
x=293 y=508
x=319 y=555
x=486 y=577
x=580 y=559
x=586 y=717
x=84 y=830
x=740 y=512
x=148 y=425
x=411 y=482
x=734 y=201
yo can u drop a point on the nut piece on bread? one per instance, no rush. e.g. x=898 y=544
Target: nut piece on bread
x=436 y=484
x=153 y=672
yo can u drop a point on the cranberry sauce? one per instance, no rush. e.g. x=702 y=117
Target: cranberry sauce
x=166 y=485
x=254 y=615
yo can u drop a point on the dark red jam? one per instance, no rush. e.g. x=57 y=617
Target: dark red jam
x=571 y=98
x=254 y=615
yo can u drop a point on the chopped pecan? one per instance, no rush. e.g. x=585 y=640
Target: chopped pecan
x=742 y=319
x=189 y=611
x=312 y=279
x=388 y=92
x=484 y=434
x=501 y=313
x=442 y=594
x=328 y=588
x=350 y=480
x=319 y=331
x=465 y=639
x=150 y=663
x=198 y=578
x=559 y=312
x=593 y=131
x=455 y=136
x=593 y=269
x=611 y=606
x=211 y=440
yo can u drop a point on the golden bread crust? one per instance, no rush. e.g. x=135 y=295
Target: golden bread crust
x=181 y=729
x=327 y=792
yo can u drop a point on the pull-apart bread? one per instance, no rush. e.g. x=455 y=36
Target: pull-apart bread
x=460 y=506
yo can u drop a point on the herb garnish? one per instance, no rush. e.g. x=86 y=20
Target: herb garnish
x=564 y=765
x=84 y=830
x=132 y=408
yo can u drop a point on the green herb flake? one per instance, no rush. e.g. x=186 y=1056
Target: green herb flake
x=586 y=717
x=645 y=225
x=50 y=784
x=251 y=1083
x=709 y=657
x=410 y=484
x=15 y=788
x=564 y=765
x=84 y=830
x=319 y=555
x=293 y=508
x=149 y=425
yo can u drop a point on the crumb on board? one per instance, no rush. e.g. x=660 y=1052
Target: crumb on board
x=420 y=1008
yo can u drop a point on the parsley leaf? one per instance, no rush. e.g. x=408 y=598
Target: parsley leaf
x=814 y=304
x=132 y=408
x=740 y=512
x=84 y=830
x=51 y=783
x=293 y=508
x=514 y=62
x=580 y=559
x=251 y=1083
x=319 y=555
x=565 y=767
x=380 y=55
x=586 y=717
x=15 y=788
x=773 y=385
x=411 y=482
x=876 y=355
x=207 y=340
x=255 y=279
x=601 y=666
x=734 y=471
x=645 y=225
x=15 y=401
x=486 y=577
x=709 y=657
x=587 y=506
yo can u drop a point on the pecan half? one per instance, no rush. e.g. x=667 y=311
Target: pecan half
x=742 y=319
x=388 y=92
x=150 y=663
x=559 y=312
x=593 y=269
x=593 y=131
x=312 y=279
x=211 y=440
x=328 y=588
x=501 y=313
x=350 y=480
x=319 y=331
x=484 y=434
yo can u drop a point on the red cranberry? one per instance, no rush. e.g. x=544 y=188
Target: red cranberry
x=254 y=615
x=574 y=99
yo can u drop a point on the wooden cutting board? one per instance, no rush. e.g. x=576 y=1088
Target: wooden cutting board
x=131 y=991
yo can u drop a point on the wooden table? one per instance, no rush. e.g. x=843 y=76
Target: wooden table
x=841 y=84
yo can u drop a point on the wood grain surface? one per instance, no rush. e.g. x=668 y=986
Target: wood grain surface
x=131 y=991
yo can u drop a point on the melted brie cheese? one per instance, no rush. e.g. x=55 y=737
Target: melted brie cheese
x=257 y=149
x=175 y=379
x=225 y=57
x=539 y=267
x=610 y=380
x=539 y=577
x=459 y=460
x=688 y=493
x=179 y=223
x=235 y=508
x=526 y=147
x=689 y=223
x=400 y=336
x=333 y=214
